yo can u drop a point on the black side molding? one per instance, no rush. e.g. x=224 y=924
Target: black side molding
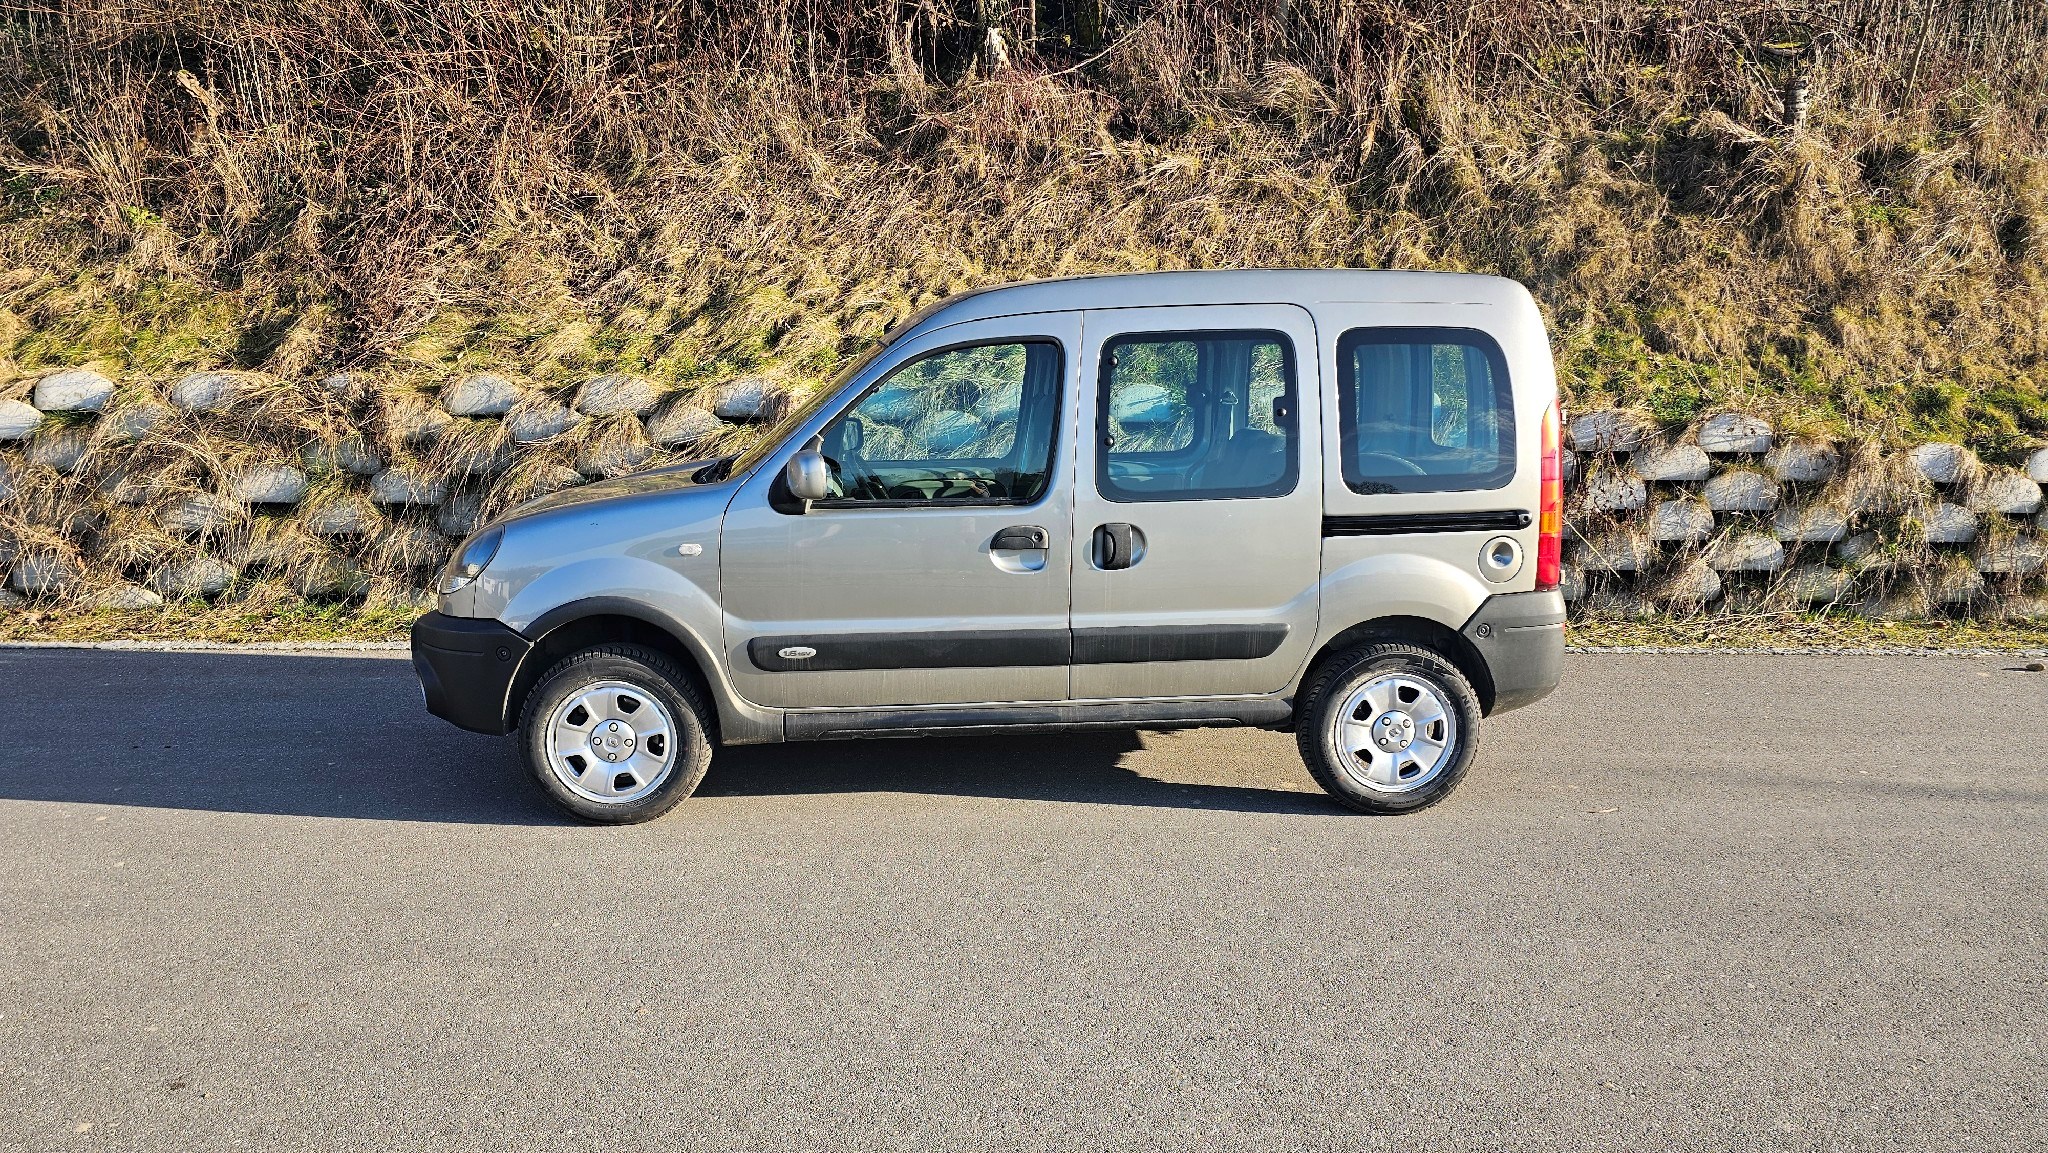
x=1136 y=644
x=1403 y=523
x=1018 y=648
x=840 y=724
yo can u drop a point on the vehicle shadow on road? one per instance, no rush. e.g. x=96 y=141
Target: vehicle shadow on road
x=330 y=736
x=1088 y=768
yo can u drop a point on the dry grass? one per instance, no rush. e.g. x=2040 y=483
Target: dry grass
x=551 y=189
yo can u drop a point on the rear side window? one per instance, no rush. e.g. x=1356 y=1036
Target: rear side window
x=1424 y=410
x=1197 y=416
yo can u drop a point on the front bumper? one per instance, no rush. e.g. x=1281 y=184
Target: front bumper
x=1520 y=636
x=466 y=668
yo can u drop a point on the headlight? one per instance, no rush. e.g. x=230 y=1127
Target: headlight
x=469 y=563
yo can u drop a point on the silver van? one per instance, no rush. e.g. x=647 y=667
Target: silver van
x=1319 y=501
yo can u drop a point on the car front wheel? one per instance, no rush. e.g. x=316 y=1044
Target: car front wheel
x=616 y=734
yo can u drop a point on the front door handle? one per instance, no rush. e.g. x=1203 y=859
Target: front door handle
x=1116 y=546
x=1020 y=536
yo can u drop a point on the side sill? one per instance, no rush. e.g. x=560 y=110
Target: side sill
x=844 y=724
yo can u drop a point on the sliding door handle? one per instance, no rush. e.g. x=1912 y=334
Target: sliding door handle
x=1020 y=536
x=1116 y=546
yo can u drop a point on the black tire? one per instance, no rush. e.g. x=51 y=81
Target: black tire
x=1333 y=682
x=655 y=675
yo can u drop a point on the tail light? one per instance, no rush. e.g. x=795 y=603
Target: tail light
x=1550 y=505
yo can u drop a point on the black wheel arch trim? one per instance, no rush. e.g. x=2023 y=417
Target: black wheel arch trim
x=537 y=631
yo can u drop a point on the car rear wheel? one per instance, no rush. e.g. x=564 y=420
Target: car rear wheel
x=1388 y=728
x=616 y=734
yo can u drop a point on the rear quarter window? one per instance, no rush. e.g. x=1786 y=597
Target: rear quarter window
x=1424 y=410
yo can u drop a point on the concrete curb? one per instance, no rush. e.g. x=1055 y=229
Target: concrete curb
x=380 y=648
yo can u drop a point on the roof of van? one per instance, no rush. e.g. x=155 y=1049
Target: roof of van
x=1225 y=286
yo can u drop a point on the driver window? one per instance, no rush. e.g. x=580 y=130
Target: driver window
x=967 y=425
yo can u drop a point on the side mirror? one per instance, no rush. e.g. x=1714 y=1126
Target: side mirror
x=806 y=474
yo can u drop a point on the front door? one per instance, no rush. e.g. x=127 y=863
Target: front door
x=1198 y=501
x=937 y=573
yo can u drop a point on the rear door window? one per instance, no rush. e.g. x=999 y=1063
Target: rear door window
x=1197 y=416
x=1424 y=410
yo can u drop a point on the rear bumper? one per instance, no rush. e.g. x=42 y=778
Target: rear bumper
x=1520 y=636
x=466 y=668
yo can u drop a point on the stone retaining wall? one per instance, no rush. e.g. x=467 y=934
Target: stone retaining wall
x=234 y=486
x=1730 y=517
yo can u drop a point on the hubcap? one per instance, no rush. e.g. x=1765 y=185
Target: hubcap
x=611 y=742
x=1395 y=733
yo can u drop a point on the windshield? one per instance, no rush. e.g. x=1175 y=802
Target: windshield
x=802 y=412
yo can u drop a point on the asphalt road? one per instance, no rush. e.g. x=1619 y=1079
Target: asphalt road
x=1694 y=902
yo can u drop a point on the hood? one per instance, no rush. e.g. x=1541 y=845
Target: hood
x=671 y=478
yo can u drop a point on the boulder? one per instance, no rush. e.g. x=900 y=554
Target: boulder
x=6 y=480
x=128 y=423
x=1688 y=585
x=1819 y=584
x=1608 y=430
x=1567 y=465
x=1865 y=491
x=538 y=420
x=74 y=390
x=410 y=546
x=354 y=455
x=1615 y=553
x=1572 y=584
x=1802 y=461
x=1747 y=552
x=457 y=516
x=1943 y=463
x=1613 y=491
x=42 y=574
x=329 y=577
x=2014 y=555
x=2007 y=492
x=414 y=423
x=1681 y=522
x=1946 y=523
x=60 y=448
x=553 y=478
x=269 y=484
x=481 y=394
x=747 y=400
x=211 y=391
x=612 y=458
x=617 y=394
x=201 y=576
x=1955 y=585
x=1813 y=524
x=125 y=597
x=1679 y=463
x=123 y=485
x=201 y=514
x=682 y=425
x=348 y=385
x=2023 y=610
x=1732 y=432
x=1618 y=604
x=1860 y=547
x=1740 y=490
x=407 y=486
x=347 y=516
x=18 y=420
x=2037 y=465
